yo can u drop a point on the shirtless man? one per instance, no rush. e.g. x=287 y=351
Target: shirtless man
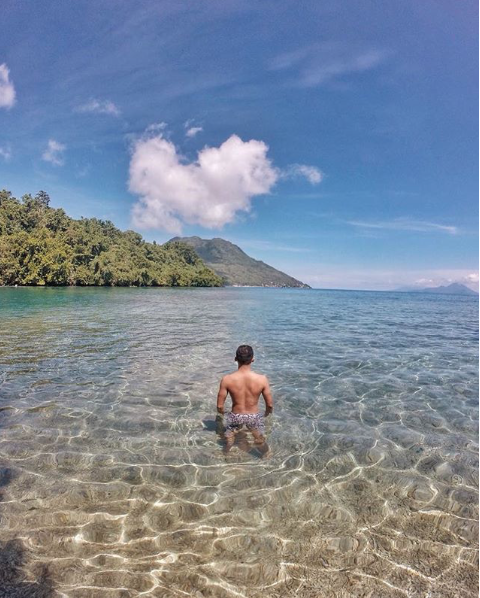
x=245 y=388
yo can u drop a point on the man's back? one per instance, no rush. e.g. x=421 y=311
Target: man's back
x=245 y=388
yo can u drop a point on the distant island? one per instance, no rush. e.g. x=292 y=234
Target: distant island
x=41 y=246
x=452 y=289
x=235 y=267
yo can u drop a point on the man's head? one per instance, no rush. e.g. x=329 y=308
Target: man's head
x=244 y=355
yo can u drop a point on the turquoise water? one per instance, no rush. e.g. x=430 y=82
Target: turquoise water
x=113 y=482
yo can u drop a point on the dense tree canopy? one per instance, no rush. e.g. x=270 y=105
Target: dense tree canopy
x=40 y=245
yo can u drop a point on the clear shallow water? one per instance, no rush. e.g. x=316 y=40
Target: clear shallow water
x=113 y=482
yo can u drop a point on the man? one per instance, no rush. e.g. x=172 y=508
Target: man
x=245 y=388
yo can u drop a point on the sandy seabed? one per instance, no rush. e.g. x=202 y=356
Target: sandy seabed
x=113 y=482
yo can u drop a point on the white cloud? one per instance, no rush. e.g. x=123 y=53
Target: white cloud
x=471 y=278
x=321 y=63
x=406 y=224
x=288 y=60
x=54 y=153
x=311 y=173
x=192 y=131
x=5 y=152
x=157 y=127
x=7 y=90
x=209 y=192
x=100 y=107
x=322 y=73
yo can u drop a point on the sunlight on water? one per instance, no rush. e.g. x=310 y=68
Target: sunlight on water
x=113 y=482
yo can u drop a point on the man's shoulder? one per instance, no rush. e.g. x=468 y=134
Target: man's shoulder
x=259 y=376
x=232 y=376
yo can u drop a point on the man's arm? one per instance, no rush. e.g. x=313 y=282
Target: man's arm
x=222 y=396
x=267 y=396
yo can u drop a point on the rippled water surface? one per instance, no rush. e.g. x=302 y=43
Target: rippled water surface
x=113 y=482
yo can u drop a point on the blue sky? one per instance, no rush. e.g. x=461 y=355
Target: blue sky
x=336 y=141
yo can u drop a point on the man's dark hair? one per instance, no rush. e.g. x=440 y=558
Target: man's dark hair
x=244 y=354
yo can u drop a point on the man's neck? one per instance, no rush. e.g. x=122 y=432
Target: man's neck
x=244 y=367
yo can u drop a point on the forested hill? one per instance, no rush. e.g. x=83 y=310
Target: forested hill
x=40 y=245
x=236 y=267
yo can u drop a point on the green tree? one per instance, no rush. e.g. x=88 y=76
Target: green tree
x=43 y=198
x=40 y=245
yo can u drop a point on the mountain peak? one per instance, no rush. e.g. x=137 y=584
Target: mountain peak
x=455 y=288
x=236 y=267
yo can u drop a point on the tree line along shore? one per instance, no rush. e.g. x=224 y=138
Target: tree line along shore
x=41 y=245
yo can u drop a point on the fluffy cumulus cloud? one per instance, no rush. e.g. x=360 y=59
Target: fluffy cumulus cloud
x=54 y=153
x=209 y=192
x=100 y=107
x=7 y=90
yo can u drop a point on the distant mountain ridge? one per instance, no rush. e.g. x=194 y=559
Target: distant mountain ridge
x=452 y=289
x=236 y=267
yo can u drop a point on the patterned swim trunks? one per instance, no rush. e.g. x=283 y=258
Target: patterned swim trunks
x=253 y=421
